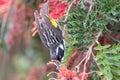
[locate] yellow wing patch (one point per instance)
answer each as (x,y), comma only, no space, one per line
(53,22)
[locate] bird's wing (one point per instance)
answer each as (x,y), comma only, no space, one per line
(41,28)
(54,34)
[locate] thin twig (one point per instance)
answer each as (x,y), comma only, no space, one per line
(56,63)
(52,79)
(114,39)
(78,66)
(85,26)
(98,35)
(52,73)
(89,52)
(87,17)
(92,72)
(67,14)
(87,59)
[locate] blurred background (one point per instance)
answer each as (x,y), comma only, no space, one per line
(24,57)
(20,53)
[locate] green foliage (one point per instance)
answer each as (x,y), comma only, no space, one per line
(108,61)
(67,55)
(83,23)
(94,76)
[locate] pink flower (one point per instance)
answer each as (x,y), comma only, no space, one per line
(59,10)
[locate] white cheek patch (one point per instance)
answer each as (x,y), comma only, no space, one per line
(62,59)
(61,46)
(57,51)
(46,39)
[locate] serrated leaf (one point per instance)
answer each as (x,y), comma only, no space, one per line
(99,56)
(105,47)
(114,63)
(116,71)
(114,58)
(102,47)
(108,60)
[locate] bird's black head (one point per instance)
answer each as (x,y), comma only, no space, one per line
(60,54)
(57,53)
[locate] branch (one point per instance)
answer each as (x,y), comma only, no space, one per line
(66,16)
(89,52)
(90,8)
(67,13)
(52,79)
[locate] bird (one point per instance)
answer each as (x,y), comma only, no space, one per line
(50,32)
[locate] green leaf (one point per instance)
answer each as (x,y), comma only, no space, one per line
(99,47)
(108,60)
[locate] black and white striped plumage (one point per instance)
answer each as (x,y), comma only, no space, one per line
(51,36)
